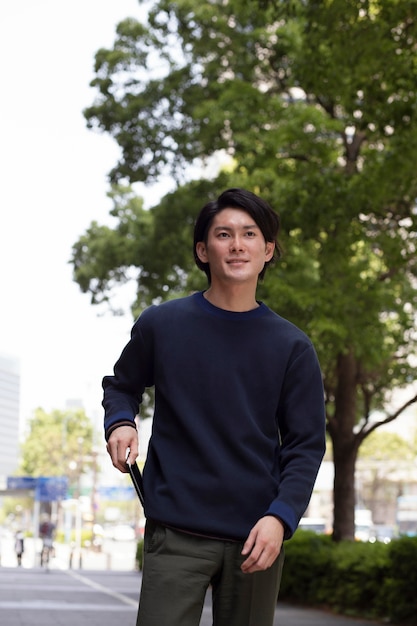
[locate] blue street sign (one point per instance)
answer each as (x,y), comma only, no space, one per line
(21,482)
(117,493)
(51,488)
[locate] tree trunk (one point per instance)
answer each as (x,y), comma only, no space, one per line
(345,448)
(344,491)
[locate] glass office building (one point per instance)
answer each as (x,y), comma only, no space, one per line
(9,414)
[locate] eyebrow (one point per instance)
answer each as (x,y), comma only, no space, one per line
(229,228)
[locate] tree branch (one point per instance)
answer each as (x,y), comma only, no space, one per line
(368,429)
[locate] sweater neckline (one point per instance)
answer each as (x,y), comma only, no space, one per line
(225,314)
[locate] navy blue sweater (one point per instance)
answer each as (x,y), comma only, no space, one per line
(239,427)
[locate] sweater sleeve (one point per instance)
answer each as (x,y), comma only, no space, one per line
(123,391)
(301,422)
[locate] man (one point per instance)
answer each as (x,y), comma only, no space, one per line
(238,430)
(19,546)
(46,533)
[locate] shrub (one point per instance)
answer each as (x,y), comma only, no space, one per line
(139,555)
(307,559)
(353,582)
(400,588)
(362,579)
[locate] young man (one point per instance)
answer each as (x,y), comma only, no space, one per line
(238,430)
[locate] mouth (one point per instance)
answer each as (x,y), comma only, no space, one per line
(236,261)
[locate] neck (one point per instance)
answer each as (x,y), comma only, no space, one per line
(238,299)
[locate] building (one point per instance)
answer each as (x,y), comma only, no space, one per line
(9,414)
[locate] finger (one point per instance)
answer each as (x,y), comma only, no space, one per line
(122,453)
(252,564)
(115,449)
(133,453)
(112,450)
(262,562)
(249,543)
(252,560)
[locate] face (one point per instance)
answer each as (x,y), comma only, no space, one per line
(235,249)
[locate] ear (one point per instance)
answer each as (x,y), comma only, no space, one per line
(201,251)
(269,250)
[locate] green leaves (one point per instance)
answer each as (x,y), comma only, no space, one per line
(54,441)
(103,256)
(314,104)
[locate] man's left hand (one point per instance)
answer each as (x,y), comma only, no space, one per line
(263,544)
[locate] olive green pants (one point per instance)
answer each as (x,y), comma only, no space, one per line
(179,568)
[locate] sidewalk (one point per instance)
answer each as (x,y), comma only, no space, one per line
(104,592)
(35,597)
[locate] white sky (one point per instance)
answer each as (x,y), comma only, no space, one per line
(53,184)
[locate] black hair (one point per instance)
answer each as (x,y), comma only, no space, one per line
(261,212)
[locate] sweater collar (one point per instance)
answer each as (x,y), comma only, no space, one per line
(231,315)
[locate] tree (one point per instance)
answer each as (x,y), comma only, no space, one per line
(314,103)
(57,444)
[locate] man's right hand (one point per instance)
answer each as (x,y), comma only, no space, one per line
(122,440)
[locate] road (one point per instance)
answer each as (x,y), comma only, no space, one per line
(97,596)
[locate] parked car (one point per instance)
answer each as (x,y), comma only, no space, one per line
(122,532)
(315,524)
(383,533)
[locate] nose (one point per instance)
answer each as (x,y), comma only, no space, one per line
(236,243)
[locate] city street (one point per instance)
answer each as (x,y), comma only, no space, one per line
(97,596)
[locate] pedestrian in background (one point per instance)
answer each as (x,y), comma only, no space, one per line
(19,546)
(46,533)
(238,430)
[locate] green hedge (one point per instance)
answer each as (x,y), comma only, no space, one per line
(372,580)
(139,555)
(400,585)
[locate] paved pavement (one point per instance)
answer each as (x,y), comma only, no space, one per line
(96,595)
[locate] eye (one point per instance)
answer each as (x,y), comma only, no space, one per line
(223,235)
(250,233)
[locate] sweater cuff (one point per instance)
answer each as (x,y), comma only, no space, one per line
(286,515)
(117,425)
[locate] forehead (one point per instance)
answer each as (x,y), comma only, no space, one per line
(231,217)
